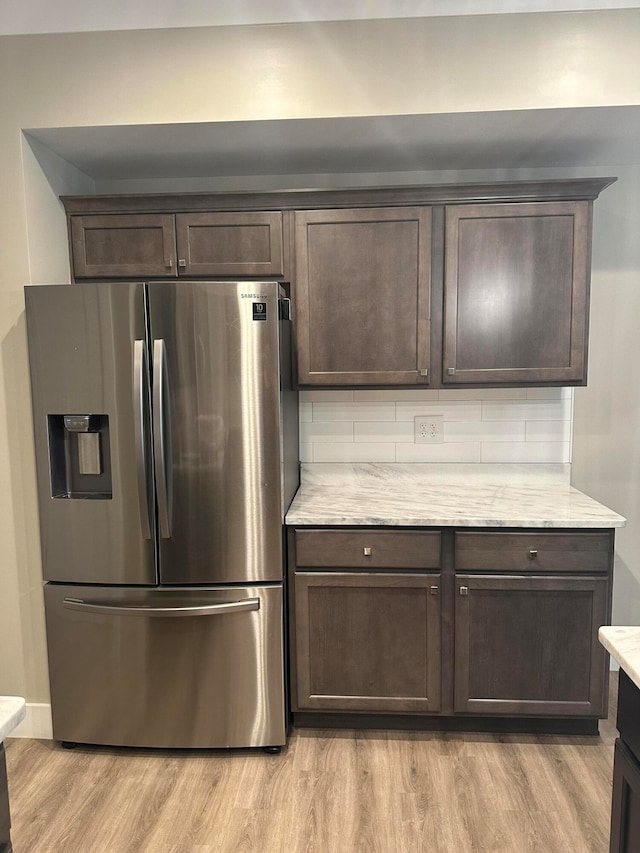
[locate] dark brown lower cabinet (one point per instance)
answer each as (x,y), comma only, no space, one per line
(625,802)
(5,819)
(367,642)
(625,817)
(528,645)
(427,622)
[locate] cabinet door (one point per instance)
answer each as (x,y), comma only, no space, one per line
(516,287)
(5,817)
(362,296)
(367,642)
(230,244)
(625,806)
(123,246)
(529,645)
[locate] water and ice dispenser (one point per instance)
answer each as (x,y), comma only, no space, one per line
(79,456)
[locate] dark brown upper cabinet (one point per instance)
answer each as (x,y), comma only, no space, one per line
(224,244)
(362,293)
(123,246)
(425,286)
(154,245)
(516,293)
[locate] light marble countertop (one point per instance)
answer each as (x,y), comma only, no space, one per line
(13,710)
(389,501)
(623,644)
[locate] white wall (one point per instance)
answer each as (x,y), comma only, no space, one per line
(606,444)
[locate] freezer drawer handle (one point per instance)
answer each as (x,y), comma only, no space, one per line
(162,437)
(197,610)
(141,454)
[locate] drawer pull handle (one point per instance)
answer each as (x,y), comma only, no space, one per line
(366,552)
(533,554)
(464,590)
(434,590)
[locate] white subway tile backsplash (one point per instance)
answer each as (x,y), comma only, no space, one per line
(306,452)
(454,411)
(485,430)
(386,431)
(419,394)
(548,431)
(526,410)
(541,452)
(454,452)
(483,394)
(490,426)
(325,396)
(354,411)
(326,431)
(549,393)
(355,452)
(305,411)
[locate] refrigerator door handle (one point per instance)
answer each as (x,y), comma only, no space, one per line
(129,610)
(162,437)
(141,453)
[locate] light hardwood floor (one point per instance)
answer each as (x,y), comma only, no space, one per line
(328,792)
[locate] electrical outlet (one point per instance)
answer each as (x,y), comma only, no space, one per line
(428,429)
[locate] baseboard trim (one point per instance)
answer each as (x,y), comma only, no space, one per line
(37,723)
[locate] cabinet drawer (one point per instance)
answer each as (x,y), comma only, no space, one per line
(533,552)
(368,549)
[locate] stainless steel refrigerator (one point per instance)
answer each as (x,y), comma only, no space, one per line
(167,454)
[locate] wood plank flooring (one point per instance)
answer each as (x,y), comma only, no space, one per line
(328,792)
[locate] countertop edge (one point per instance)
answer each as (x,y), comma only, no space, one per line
(623,644)
(13,710)
(303,520)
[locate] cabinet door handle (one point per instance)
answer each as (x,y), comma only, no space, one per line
(182,263)
(424,373)
(434,590)
(168,263)
(366,552)
(533,554)
(451,371)
(464,590)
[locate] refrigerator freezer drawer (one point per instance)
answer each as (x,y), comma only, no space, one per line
(197,667)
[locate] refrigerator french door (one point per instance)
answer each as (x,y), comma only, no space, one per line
(166,447)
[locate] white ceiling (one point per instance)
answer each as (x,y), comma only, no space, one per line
(599,136)
(58,16)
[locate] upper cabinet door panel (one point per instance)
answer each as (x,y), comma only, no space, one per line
(516,287)
(230,244)
(123,246)
(362,296)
